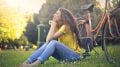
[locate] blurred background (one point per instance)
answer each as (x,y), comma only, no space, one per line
(19,19)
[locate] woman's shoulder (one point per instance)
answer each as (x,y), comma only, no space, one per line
(64,26)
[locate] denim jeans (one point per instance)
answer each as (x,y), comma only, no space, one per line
(55,49)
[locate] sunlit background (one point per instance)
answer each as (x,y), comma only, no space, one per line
(24,27)
(16,15)
(102,3)
(30,6)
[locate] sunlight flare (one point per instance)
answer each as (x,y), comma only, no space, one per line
(27,6)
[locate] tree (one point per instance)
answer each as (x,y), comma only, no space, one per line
(116,3)
(51,6)
(12,24)
(31,29)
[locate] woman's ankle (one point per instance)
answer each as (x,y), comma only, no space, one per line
(27,62)
(37,62)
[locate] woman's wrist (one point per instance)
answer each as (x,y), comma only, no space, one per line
(53,25)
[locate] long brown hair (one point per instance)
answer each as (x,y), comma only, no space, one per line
(67,17)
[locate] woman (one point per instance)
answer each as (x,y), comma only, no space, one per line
(63,27)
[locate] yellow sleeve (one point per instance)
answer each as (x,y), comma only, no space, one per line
(62,29)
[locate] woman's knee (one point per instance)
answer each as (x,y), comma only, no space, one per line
(53,41)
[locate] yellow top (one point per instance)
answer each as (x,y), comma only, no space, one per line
(68,38)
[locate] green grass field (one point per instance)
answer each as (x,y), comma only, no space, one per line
(13,58)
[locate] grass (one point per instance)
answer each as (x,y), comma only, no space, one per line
(13,58)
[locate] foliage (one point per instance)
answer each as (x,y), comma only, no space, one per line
(116,3)
(51,6)
(31,29)
(21,41)
(10,44)
(12,23)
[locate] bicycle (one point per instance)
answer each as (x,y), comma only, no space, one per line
(110,31)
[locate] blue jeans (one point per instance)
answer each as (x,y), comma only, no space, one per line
(55,49)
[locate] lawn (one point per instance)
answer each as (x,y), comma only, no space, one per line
(13,58)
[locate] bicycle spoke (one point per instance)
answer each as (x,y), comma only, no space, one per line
(109,47)
(116,26)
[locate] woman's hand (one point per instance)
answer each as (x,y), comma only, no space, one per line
(52,22)
(51,32)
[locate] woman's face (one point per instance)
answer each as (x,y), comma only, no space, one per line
(57,16)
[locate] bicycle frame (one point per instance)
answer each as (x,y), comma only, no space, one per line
(106,25)
(104,19)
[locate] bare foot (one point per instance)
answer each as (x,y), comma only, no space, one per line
(27,65)
(25,62)
(35,64)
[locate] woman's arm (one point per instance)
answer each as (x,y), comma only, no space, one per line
(52,34)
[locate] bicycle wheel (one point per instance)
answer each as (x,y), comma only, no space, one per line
(111,42)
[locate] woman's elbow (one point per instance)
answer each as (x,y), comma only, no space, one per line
(48,39)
